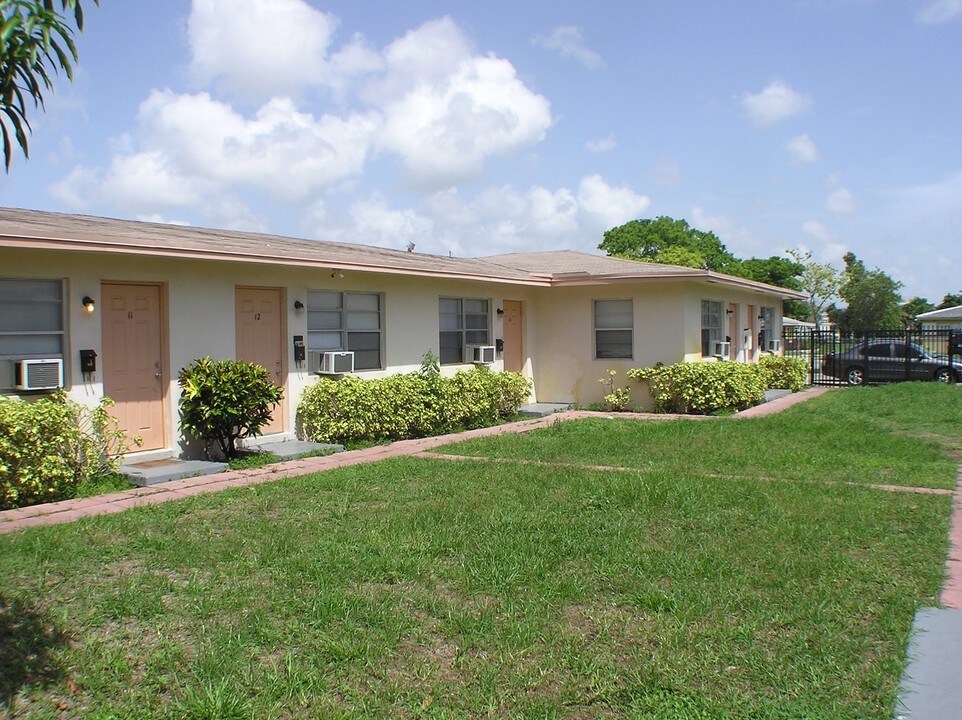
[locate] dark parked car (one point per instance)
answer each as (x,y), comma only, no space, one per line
(888,360)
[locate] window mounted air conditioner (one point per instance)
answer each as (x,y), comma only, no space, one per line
(38,374)
(330,363)
(721,349)
(774,346)
(479,354)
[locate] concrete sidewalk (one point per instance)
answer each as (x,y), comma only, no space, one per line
(931,687)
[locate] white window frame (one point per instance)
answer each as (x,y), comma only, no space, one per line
(344,326)
(710,334)
(16,292)
(465,335)
(608,329)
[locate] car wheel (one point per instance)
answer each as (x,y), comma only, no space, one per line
(855,376)
(943,375)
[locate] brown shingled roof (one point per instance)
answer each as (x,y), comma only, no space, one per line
(29,228)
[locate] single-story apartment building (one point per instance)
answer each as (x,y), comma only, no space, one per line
(117,308)
(944,319)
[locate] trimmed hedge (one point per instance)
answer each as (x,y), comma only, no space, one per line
(783,372)
(50,446)
(703,388)
(408,406)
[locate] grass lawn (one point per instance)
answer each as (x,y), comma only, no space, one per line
(717,576)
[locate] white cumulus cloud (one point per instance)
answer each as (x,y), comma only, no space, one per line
(567,40)
(802,149)
(427,100)
(447,110)
(935,12)
(602,145)
(840,201)
(776,102)
(611,205)
(280,150)
(258,49)
(494,220)
(817,230)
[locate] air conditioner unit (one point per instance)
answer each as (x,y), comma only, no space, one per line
(774,346)
(38,374)
(331,363)
(721,349)
(480,354)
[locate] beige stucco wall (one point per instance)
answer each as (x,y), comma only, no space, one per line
(198,314)
(198,317)
(565,365)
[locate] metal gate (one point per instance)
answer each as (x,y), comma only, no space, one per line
(861,358)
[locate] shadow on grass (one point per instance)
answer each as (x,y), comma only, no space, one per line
(28,640)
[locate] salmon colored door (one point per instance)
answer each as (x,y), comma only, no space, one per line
(132,361)
(513,336)
(260,339)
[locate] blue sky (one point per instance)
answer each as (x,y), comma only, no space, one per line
(477,128)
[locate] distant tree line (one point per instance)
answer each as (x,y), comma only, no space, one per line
(868,299)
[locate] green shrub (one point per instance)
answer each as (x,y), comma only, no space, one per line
(783,372)
(407,406)
(616,399)
(223,401)
(703,388)
(51,446)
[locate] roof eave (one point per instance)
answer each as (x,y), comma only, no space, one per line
(580,279)
(121,248)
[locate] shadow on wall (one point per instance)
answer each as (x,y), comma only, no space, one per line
(29,640)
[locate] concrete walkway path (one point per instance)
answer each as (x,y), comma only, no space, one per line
(931,687)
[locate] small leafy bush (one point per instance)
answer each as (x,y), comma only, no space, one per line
(783,372)
(616,399)
(51,446)
(703,388)
(407,406)
(223,401)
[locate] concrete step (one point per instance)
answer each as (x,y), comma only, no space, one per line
(293,448)
(151,472)
(542,409)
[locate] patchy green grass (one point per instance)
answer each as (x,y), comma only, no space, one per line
(420,588)
(252,460)
(102,484)
(905,434)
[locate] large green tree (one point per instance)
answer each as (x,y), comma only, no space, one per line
(914,307)
(950,300)
(36,42)
(777,271)
(871,297)
(669,241)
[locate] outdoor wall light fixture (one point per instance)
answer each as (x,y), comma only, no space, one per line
(500,311)
(298,305)
(729,311)
(336,274)
(88,303)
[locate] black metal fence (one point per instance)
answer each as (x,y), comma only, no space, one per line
(860,358)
